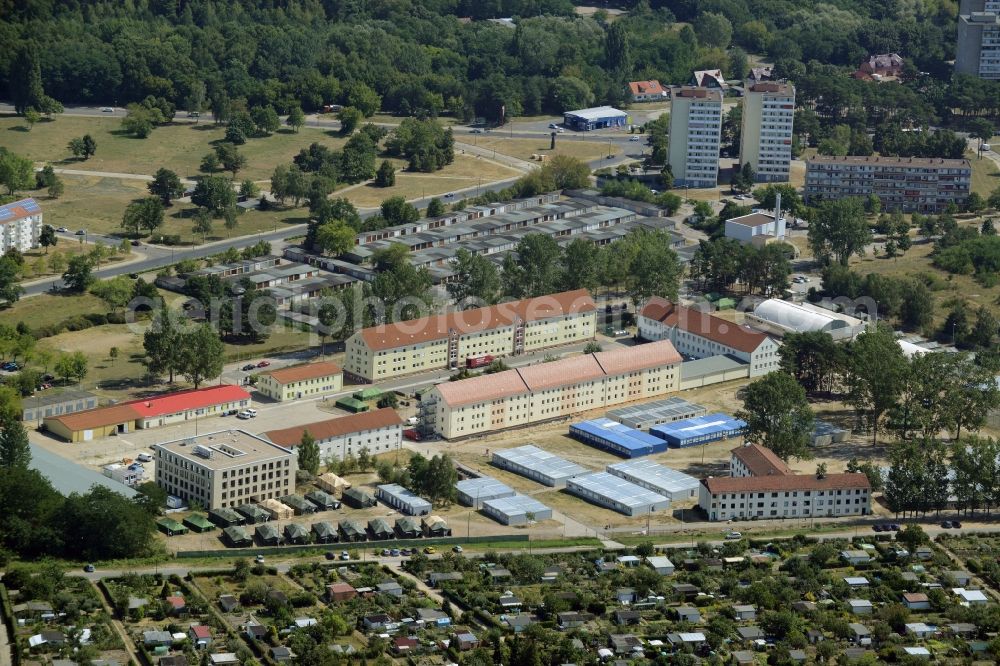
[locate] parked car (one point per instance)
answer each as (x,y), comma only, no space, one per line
(895,527)
(62,230)
(956,524)
(429,550)
(89,568)
(733,535)
(344,555)
(394,552)
(553,126)
(946,524)
(263,364)
(247,414)
(81,232)
(634,139)
(385,552)
(144,457)
(457,549)
(108,109)
(260,558)
(248,367)
(450,195)
(475,130)
(136,243)
(877,528)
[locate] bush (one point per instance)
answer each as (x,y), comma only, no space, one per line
(96,318)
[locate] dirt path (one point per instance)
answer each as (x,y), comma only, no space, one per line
(127,644)
(5,646)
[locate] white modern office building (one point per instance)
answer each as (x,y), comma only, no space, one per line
(766,136)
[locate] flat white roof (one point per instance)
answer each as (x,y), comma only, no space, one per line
(540,462)
(617,489)
(516,505)
(596,113)
(483,487)
(654,474)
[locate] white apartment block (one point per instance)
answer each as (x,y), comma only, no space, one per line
(977,50)
(695,136)
(20,225)
(551,390)
(700,335)
(446,341)
(762,486)
(225,469)
(379,431)
(766,137)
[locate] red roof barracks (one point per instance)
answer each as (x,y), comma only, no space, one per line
(152,412)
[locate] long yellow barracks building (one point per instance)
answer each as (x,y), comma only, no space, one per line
(557,389)
(446,341)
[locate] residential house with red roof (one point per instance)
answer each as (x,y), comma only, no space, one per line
(647,91)
(761,485)
(449,340)
(551,390)
(308,380)
(20,225)
(379,431)
(700,334)
(152,412)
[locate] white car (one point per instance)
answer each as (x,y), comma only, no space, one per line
(107,109)
(450,195)
(144,457)
(553,126)
(247,414)
(733,536)
(634,139)
(62,230)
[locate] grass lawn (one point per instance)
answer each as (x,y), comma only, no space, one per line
(465,171)
(985,176)
(178,147)
(33,269)
(113,377)
(48,309)
(525,148)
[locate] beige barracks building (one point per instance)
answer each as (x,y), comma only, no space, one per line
(308,380)
(551,390)
(448,340)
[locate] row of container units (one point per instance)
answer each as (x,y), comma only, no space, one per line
(171,527)
(473,492)
(538,465)
(670,483)
(615,493)
(401,499)
(617,438)
(516,509)
(699,430)
(348,531)
(658,412)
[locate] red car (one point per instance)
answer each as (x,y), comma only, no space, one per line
(263,364)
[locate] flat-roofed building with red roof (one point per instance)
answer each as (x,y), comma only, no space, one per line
(449,340)
(378,431)
(20,225)
(761,485)
(701,334)
(551,390)
(307,380)
(152,412)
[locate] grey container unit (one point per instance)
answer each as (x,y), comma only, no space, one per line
(538,465)
(617,494)
(473,492)
(660,479)
(401,499)
(658,412)
(516,510)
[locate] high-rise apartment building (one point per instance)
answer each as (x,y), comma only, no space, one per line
(977,51)
(695,135)
(20,225)
(766,136)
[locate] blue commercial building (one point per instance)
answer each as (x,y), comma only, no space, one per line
(596,118)
(699,430)
(617,438)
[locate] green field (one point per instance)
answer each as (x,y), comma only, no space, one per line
(179,147)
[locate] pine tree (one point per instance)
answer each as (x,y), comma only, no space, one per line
(14,450)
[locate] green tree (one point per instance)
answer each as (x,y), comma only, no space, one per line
(10,289)
(56,188)
(201,355)
(71,366)
(230,157)
(79,273)
(296,119)
(655,269)
(778,415)
(476,277)
(31,117)
(349,118)
(265,120)
(435,208)
(386,175)
(875,373)
(166,185)
(89,146)
(617,50)
(713,30)
(145,214)
(249,189)
(580,266)
(396,210)
(534,269)
(16,172)
(162,343)
(14,449)
(116,292)
(25,81)
(47,238)
(214,193)
(364,99)
(812,358)
(425,144)
(308,453)
(139,121)
(202,223)
(335,238)
(839,230)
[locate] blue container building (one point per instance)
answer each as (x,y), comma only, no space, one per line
(699,430)
(617,438)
